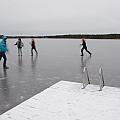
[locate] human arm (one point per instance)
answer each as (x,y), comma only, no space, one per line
(15,43)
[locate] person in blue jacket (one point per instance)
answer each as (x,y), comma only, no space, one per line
(3,50)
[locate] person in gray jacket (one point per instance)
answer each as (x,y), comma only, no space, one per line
(19,44)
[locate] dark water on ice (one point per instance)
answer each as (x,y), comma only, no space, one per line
(57,60)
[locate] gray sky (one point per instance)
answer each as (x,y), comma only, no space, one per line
(41,17)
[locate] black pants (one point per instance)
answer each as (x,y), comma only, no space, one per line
(2,54)
(86,50)
(33,48)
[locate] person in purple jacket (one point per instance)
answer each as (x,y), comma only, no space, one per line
(33,47)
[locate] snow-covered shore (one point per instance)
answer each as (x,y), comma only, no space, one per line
(67,101)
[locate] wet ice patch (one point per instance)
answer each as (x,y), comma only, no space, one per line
(21,97)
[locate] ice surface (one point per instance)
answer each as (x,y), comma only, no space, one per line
(58,59)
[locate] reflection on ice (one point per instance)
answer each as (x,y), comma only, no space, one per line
(20,61)
(33,61)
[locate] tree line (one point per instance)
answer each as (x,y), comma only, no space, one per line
(73,36)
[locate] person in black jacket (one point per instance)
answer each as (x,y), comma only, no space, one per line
(84,47)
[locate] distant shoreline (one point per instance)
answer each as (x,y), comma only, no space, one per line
(72,36)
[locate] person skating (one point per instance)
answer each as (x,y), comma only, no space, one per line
(19,44)
(84,47)
(33,47)
(3,50)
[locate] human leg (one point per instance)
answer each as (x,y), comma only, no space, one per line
(5,60)
(21,51)
(18,51)
(0,56)
(88,51)
(82,51)
(31,51)
(36,51)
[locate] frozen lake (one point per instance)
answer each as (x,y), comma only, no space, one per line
(58,59)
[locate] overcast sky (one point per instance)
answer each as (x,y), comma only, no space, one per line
(41,17)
